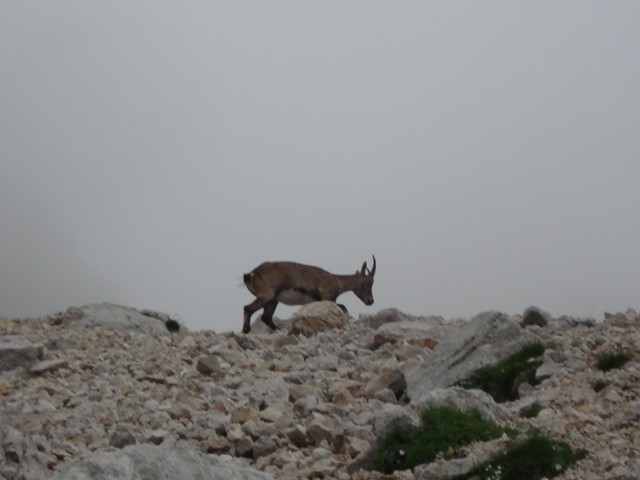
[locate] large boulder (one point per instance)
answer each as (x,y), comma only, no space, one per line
(419,327)
(386,419)
(394,319)
(116,317)
(466,401)
(485,340)
(387,315)
(317,317)
(394,416)
(395,327)
(151,462)
(391,379)
(19,459)
(16,351)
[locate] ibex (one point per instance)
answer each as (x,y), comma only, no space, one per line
(296,284)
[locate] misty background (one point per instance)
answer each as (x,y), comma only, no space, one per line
(488,153)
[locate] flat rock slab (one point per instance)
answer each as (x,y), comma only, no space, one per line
(486,339)
(47,366)
(16,351)
(114,316)
(150,462)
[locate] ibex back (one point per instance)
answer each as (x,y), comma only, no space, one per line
(296,284)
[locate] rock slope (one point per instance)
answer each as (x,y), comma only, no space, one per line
(106,392)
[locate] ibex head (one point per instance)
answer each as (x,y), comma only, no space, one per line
(364,289)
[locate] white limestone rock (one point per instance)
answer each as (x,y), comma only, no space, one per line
(115,316)
(466,401)
(488,338)
(150,462)
(16,351)
(318,317)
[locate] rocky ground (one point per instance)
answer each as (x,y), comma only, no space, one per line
(106,392)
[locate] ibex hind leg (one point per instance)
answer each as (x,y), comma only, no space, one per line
(246,325)
(248,311)
(343,308)
(267,315)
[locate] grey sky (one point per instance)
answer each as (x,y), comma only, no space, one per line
(488,153)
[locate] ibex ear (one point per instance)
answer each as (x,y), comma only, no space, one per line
(364,268)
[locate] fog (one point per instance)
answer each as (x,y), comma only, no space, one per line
(487,153)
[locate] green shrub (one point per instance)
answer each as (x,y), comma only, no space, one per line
(442,429)
(530,459)
(599,385)
(612,359)
(501,380)
(531,411)
(172,325)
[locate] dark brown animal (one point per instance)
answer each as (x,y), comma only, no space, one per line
(297,284)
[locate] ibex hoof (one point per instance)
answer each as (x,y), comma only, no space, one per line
(343,308)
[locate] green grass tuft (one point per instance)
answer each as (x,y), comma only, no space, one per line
(172,325)
(613,359)
(531,411)
(442,429)
(501,380)
(530,459)
(599,385)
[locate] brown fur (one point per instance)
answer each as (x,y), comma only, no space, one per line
(297,284)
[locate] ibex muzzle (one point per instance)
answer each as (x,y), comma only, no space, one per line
(296,284)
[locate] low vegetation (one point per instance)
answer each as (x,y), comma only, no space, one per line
(502,380)
(533,458)
(612,359)
(446,430)
(599,385)
(442,429)
(531,411)
(171,324)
